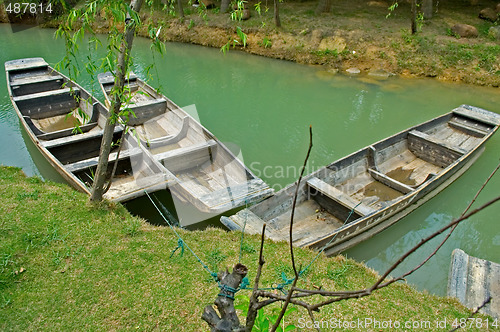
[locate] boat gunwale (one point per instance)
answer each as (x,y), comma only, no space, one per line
(68,176)
(395,202)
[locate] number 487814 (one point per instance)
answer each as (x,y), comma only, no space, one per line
(28,8)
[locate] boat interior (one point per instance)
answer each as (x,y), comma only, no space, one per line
(50,106)
(69,122)
(371,179)
(203,168)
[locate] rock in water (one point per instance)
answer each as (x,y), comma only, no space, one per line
(379,74)
(465,30)
(353,71)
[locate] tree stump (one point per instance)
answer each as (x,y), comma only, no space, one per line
(226,320)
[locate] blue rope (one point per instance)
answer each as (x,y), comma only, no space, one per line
(180,240)
(226,291)
(230,291)
(180,244)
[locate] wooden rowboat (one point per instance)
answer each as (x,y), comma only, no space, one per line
(206,173)
(360,195)
(66,124)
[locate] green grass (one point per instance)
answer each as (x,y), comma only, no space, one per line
(66,265)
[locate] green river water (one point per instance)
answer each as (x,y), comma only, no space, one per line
(265,107)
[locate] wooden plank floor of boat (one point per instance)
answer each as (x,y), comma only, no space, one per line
(310,221)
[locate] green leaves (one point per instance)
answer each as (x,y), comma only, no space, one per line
(232,42)
(242,36)
(265,320)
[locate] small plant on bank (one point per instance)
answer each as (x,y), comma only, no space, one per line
(266,42)
(265,320)
(450,33)
(233,42)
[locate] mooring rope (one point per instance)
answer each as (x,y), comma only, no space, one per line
(181,244)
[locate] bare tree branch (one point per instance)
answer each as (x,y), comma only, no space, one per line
(295,201)
(379,284)
(253,303)
(290,293)
(453,228)
(427,239)
(486,302)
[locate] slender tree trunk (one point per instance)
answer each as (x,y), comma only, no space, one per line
(277,21)
(226,319)
(180,8)
(224,6)
(427,8)
(413,17)
(98,188)
(324,6)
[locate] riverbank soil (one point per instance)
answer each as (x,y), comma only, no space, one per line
(351,34)
(354,33)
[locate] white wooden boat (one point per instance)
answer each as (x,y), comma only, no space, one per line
(358,196)
(206,173)
(66,125)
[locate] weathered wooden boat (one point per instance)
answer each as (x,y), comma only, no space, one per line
(66,125)
(360,195)
(206,173)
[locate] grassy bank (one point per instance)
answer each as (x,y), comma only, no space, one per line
(65,265)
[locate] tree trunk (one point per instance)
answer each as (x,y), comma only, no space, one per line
(277,21)
(228,320)
(427,8)
(324,6)
(224,6)
(180,8)
(413,17)
(98,188)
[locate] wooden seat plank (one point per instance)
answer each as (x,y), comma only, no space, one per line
(338,196)
(75,138)
(22,64)
(46,94)
(436,141)
(91,162)
(35,80)
(478,114)
(187,157)
(470,130)
(390,182)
